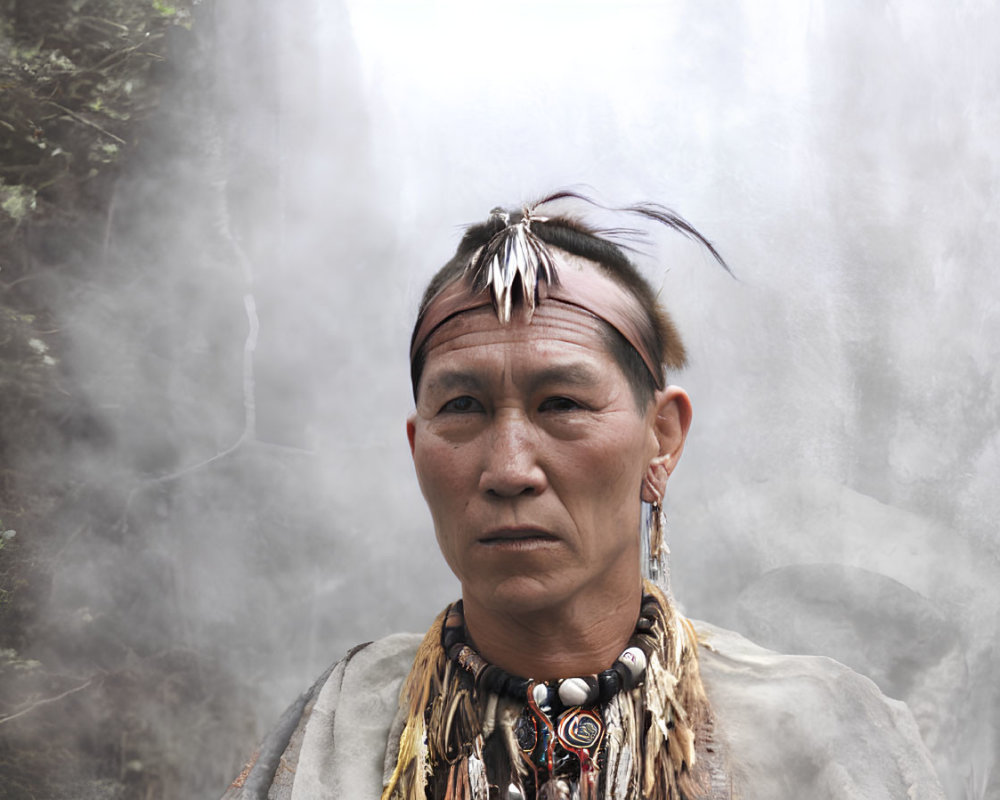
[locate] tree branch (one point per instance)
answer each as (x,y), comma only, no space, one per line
(86,121)
(45,701)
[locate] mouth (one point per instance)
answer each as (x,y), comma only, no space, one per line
(516,537)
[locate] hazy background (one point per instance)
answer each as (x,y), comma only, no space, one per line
(838,494)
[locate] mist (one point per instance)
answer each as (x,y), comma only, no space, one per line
(239,358)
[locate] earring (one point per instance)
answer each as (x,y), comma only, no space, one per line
(653,545)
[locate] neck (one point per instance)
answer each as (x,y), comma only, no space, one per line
(579,637)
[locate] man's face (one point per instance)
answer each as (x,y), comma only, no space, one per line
(530,452)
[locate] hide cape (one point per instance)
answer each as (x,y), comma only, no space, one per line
(657,742)
(791,727)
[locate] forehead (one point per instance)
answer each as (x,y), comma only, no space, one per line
(557,332)
(458,309)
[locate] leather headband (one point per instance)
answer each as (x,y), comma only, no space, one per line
(577,285)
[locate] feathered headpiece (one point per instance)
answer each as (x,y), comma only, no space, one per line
(517,257)
(513,253)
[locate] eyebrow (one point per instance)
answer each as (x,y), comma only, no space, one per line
(574,373)
(452,380)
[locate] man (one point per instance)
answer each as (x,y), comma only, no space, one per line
(543,423)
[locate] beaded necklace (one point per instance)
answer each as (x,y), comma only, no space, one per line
(475,732)
(625,674)
(559,733)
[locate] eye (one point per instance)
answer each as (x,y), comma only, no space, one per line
(461,405)
(559,404)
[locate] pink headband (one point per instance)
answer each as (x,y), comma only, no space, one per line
(586,289)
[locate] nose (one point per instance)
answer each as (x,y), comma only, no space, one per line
(511,466)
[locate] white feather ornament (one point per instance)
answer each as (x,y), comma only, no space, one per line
(514,252)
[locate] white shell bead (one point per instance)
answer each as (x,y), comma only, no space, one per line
(635,660)
(574,692)
(540,693)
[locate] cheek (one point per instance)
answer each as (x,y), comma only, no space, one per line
(610,477)
(443,471)
(616,459)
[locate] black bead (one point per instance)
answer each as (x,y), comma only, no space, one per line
(501,682)
(486,677)
(644,624)
(518,688)
(608,684)
(452,636)
(625,676)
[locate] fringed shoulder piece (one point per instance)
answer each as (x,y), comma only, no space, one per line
(422,685)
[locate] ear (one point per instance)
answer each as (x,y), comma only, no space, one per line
(411,429)
(672,409)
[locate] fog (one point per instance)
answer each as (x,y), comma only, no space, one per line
(246,359)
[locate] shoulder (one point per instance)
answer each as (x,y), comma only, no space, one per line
(356,698)
(808,726)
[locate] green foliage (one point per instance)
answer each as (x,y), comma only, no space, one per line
(11,661)
(78,80)
(178,14)
(74,80)
(17,202)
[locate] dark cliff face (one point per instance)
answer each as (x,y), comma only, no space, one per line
(96,679)
(166,539)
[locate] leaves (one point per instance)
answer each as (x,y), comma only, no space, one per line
(76,79)
(17,202)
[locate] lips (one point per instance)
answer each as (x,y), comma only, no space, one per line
(515,536)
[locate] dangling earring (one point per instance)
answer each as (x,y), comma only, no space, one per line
(654,547)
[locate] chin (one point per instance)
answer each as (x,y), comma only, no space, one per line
(521,594)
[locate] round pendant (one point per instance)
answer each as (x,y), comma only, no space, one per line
(526,732)
(580,728)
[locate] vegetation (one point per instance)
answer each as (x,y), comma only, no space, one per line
(87,709)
